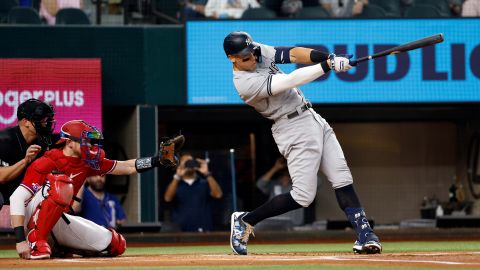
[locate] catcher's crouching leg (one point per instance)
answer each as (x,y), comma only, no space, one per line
(47,214)
(80,236)
(118,245)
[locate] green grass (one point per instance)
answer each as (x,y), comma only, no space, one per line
(393,247)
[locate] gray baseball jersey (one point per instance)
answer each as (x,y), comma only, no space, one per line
(306,140)
(254,88)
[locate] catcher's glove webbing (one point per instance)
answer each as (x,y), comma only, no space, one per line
(166,155)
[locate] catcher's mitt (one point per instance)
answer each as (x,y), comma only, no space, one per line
(168,150)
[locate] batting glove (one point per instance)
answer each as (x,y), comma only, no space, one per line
(340,63)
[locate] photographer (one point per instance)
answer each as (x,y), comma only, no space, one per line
(192,191)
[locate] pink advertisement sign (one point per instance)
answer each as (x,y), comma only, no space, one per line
(72,86)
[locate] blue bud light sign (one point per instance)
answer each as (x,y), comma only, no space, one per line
(448,72)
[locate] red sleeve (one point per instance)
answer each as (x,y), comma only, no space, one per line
(107,165)
(36,174)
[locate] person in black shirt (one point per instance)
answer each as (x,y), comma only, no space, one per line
(21,144)
(191,191)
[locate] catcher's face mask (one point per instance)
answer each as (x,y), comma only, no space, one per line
(91,143)
(41,114)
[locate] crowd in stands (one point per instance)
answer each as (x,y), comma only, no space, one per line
(268,9)
(81,11)
(49,12)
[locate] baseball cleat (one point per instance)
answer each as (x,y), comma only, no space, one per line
(40,250)
(239,233)
(371,246)
(357,247)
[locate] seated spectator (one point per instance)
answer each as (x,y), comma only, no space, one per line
(99,206)
(228,9)
(277,181)
(471,8)
(455,7)
(192,191)
(290,8)
(194,9)
(49,8)
(343,8)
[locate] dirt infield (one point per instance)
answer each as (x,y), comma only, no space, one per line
(416,259)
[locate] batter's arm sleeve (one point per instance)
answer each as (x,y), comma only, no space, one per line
(282,82)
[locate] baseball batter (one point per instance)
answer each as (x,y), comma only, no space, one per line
(40,204)
(303,137)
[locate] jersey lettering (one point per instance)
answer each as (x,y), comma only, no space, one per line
(273,68)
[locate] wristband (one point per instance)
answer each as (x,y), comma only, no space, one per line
(177,177)
(145,164)
(19,234)
(318,56)
(326,68)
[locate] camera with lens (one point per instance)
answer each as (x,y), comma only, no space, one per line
(192,163)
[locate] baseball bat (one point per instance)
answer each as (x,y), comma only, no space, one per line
(420,43)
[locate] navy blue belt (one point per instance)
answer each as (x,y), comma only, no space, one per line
(299,110)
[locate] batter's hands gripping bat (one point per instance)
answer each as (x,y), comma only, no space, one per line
(402,48)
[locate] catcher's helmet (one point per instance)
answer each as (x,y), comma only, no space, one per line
(89,137)
(41,114)
(238,43)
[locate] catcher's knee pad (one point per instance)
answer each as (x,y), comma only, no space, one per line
(118,245)
(50,210)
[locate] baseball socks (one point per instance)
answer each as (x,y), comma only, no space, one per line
(350,204)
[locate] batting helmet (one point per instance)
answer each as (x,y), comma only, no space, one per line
(238,43)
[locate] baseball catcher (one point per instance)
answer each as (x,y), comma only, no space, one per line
(39,206)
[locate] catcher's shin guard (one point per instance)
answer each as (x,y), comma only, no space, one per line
(49,211)
(118,245)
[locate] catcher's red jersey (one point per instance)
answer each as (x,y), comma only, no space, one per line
(55,161)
